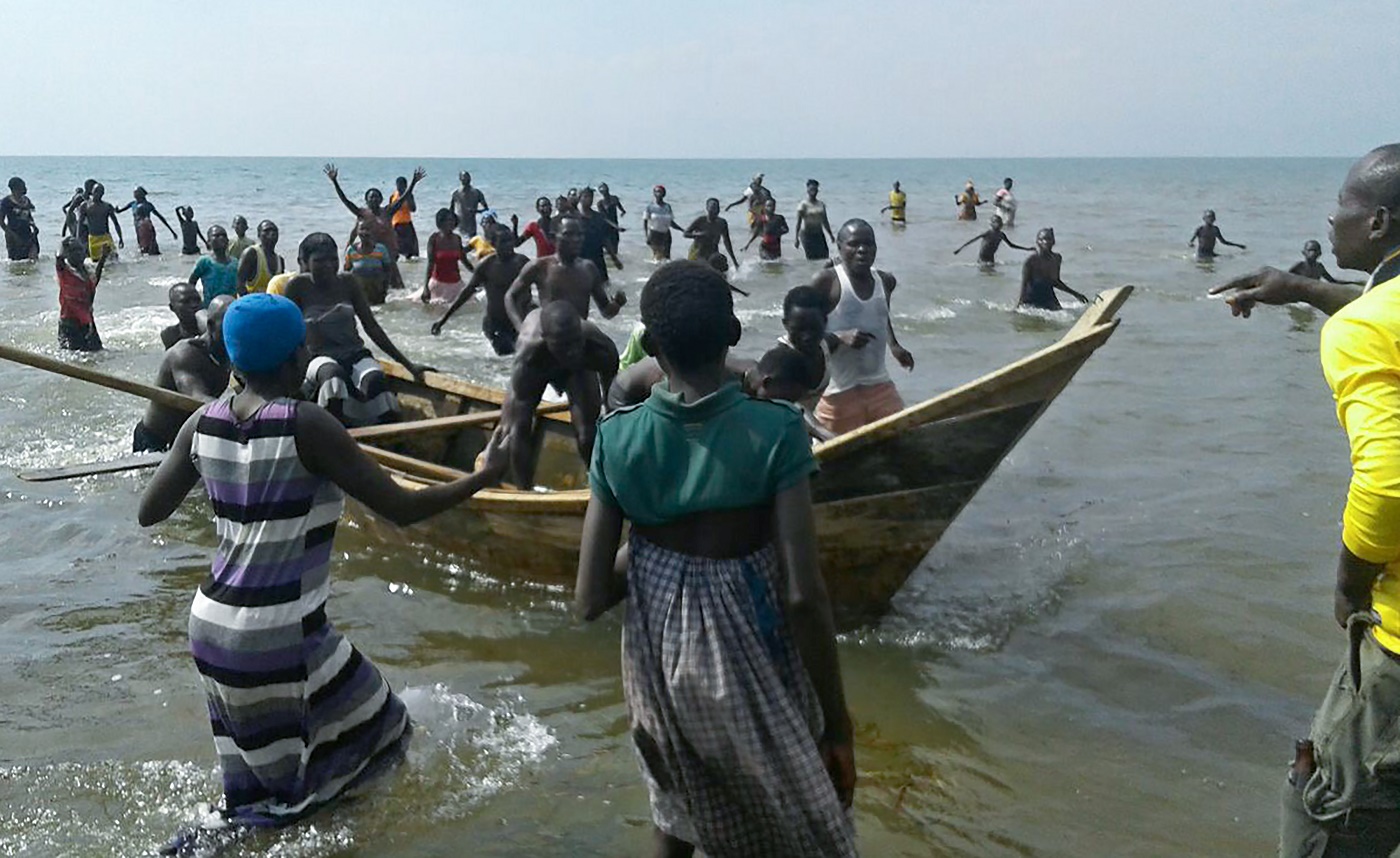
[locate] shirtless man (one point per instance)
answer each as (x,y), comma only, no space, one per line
(1206,235)
(1005,203)
(556,346)
(96,214)
(707,231)
(495,274)
(196,367)
(1040,275)
(991,240)
(1311,268)
(562,277)
(259,263)
(466,202)
(17,221)
(185,302)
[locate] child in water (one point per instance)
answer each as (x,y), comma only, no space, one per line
(76,289)
(729,656)
(189,231)
(1311,268)
(992,240)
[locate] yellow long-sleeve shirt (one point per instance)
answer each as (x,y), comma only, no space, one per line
(1361,360)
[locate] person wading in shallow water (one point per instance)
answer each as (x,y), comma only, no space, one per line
(729,664)
(142,210)
(1341,797)
(185,303)
(276,471)
(1040,275)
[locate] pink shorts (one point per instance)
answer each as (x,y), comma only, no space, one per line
(851,409)
(446,293)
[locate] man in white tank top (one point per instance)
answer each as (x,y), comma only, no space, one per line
(858,331)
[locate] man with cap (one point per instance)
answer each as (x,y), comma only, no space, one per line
(198,367)
(1342,796)
(657,222)
(276,471)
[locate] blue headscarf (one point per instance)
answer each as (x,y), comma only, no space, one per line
(262,331)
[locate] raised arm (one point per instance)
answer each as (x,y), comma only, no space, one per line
(101,265)
(334,175)
(407,195)
(328,451)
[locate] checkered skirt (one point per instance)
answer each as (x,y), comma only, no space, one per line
(724,718)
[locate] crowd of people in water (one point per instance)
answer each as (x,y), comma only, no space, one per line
(279,356)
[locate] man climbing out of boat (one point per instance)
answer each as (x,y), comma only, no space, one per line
(343,377)
(1342,795)
(858,317)
(300,717)
(729,662)
(558,347)
(495,274)
(185,303)
(564,276)
(196,367)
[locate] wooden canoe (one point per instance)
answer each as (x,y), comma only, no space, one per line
(884,496)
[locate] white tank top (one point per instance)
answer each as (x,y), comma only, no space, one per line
(864,366)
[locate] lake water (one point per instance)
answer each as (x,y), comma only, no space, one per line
(1109,653)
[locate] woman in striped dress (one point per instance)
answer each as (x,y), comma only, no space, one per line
(299,715)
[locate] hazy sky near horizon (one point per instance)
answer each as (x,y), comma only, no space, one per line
(724,78)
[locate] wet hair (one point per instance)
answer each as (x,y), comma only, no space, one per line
(1379,177)
(182,286)
(813,183)
(443,216)
(15,182)
(688,311)
(373,191)
(851,226)
(96,186)
(806,297)
(401,181)
(545,200)
(1312,242)
(88,185)
(265,222)
(718,262)
(314,242)
(714,200)
(139,190)
(785,364)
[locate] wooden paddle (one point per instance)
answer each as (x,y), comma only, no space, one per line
(181,402)
(138,462)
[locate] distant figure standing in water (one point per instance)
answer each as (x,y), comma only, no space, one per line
(1040,275)
(813,227)
(707,232)
(898,201)
(730,671)
(858,319)
(142,210)
(1311,268)
(466,202)
(96,215)
(77,329)
(611,208)
(17,220)
(1206,235)
(240,241)
(991,240)
(402,218)
(770,227)
(1005,203)
(967,202)
(756,196)
(300,717)
(657,221)
(189,231)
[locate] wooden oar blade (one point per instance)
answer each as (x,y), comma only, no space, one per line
(139,462)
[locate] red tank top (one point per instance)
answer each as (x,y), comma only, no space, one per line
(75,296)
(445,268)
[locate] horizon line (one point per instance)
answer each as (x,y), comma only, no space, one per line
(702,158)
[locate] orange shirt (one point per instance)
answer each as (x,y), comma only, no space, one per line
(403,215)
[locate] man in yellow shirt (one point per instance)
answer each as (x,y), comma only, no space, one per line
(896,206)
(1343,791)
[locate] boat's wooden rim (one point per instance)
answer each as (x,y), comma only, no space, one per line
(1091,330)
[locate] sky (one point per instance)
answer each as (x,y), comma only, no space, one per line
(714,79)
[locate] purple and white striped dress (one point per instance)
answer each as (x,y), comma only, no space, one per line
(299,715)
